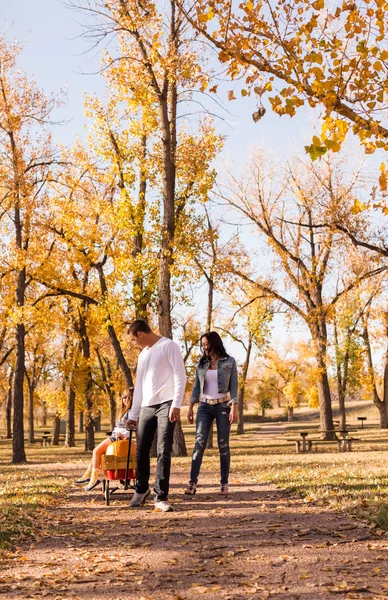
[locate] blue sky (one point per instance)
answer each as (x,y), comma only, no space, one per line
(57,56)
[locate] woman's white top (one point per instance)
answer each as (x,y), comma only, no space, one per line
(210,388)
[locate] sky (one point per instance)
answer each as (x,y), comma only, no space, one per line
(58,57)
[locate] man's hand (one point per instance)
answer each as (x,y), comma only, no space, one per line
(130,425)
(175,414)
(233,415)
(190,414)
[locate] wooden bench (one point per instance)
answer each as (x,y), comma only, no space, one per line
(302,446)
(345,445)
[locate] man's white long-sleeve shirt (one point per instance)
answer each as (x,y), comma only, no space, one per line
(160,376)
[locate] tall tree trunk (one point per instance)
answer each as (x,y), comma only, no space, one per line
(70,420)
(8,408)
(381,403)
(97,422)
(341,375)
(139,295)
(81,422)
(126,371)
(44,414)
(112,396)
(324,395)
(19,455)
(89,422)
(109,389)
(290,414)
(243,380)
(31,430)
(56,430)
(210,296)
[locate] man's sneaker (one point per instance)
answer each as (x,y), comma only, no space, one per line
(139,499)
(163,506)
(89,487)
(82,481)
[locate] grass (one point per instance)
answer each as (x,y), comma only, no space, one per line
(355,482)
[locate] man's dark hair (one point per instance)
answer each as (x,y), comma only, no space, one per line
(139,325)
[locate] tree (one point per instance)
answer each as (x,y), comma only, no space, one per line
(249,326)
(26,166)
(377,309)
(330,55)
(349,356)
(305,255)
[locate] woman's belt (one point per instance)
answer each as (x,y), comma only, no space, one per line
(215,400)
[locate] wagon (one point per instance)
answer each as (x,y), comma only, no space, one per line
(118,464)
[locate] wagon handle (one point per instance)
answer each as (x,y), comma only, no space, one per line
(128,457)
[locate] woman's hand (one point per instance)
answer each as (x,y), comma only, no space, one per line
(233,415)
(190,414)
(119,436)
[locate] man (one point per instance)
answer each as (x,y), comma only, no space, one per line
(157,399)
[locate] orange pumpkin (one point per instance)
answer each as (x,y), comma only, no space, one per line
(115,460)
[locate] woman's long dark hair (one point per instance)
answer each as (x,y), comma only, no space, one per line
(216,346)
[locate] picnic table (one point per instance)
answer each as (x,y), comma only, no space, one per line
(46,438)
(302,445)
(344,442)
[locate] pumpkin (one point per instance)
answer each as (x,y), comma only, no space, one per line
(115,460)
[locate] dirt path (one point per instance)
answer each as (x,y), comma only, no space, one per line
(258,543)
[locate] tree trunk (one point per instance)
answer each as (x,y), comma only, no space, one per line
(31,431)
(19,455)
(243,380)
(89,422)
(382,404)
(56,430)
(139,295)
(290,414)
(179,444)
(341,377)
(70,420)
(126,371)
(97,422)
(8,407)
(319,335)
(106,376)
(210,295)
(44,414)
(81,422)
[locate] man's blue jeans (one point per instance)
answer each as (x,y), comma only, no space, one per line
(152,417)
(205,416)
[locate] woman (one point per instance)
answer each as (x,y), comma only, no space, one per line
(215,378)
(92,473)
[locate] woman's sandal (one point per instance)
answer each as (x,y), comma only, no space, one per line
(191,489)
(224,490)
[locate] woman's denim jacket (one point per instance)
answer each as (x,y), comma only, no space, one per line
(226,376)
